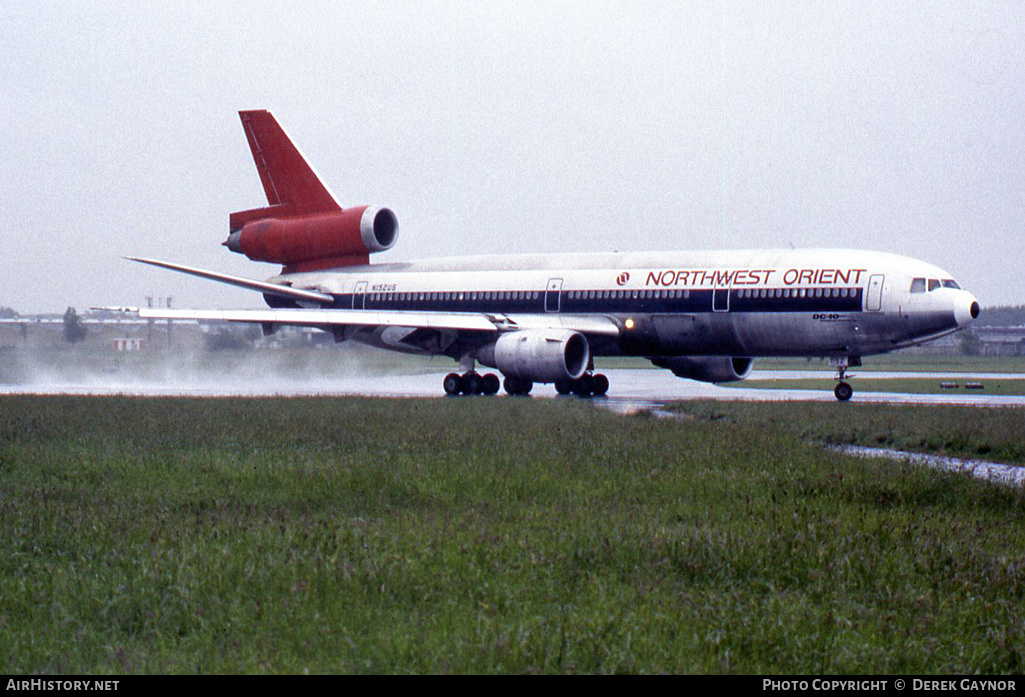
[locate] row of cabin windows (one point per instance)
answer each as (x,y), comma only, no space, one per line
(619,294)
(464,295)
(622,294)
(531,295)
(798,293)
(918,285)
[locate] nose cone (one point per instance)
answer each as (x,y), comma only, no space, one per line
(966,309)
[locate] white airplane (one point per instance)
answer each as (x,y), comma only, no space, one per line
(704,315)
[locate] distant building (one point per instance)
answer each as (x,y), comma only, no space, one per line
(1002,341)
(129,344)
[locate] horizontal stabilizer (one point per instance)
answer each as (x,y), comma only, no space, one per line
(261,286)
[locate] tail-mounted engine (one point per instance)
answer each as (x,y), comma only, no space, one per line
(313,242)
(303,225)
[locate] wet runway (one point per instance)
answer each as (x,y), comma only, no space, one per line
(631,389)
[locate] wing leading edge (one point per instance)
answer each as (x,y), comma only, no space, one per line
(458,321)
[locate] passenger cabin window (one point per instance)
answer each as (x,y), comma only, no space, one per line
(918,285)
(933,284)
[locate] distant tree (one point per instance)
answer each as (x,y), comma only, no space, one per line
(1002,316)
(232,339)
(971,344)
(8,313)
(74,330)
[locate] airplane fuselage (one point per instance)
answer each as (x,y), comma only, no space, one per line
(704,315)
(832,302)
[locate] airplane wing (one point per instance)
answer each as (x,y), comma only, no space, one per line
(464,321)
(592,325)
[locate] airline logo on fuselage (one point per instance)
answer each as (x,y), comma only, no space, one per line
(724,278)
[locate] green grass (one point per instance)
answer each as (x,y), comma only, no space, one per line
(996,434)
(910,385)
(900,361)
(910,362)
(487,535)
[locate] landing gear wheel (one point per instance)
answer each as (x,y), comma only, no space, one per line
(453,384)
(491,384)
(472,384)
(583,386)
(599,385)
(843,391)
(563,386)
(518,386)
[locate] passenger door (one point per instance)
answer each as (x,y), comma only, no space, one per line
(874,298)
(359,296)
(553,295)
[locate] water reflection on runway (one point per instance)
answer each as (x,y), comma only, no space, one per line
(631,389)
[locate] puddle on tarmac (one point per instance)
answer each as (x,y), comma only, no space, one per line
(992,471)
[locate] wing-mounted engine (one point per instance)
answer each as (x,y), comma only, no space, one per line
(541,355)
(707,368)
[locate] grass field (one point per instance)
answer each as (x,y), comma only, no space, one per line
(903,385)
(997,434)
(910,362)
(497,535)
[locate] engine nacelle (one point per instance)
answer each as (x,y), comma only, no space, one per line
(540,355)
(707,368)
(317,241)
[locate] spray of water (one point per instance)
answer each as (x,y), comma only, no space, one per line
(322,370)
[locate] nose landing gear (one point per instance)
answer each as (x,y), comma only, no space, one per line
(843,390)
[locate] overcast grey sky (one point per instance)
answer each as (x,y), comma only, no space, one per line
(510,127)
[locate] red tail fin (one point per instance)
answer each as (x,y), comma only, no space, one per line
(303,228)
(291,185)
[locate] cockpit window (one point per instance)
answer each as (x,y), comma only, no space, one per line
(918,285)
(933,284)
(950,283)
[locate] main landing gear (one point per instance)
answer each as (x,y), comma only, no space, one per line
(471,382)
(587,385)
(518,387)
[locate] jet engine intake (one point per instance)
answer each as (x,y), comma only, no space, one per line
(541,355)
(707,368)
(320,240)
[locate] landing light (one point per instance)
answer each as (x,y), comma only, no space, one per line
(629,324)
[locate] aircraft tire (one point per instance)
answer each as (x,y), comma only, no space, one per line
(583,386)
(599,385)
(518,387)
(843,391)
(491,384)
(472,384)
(563,386)
(453,384)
